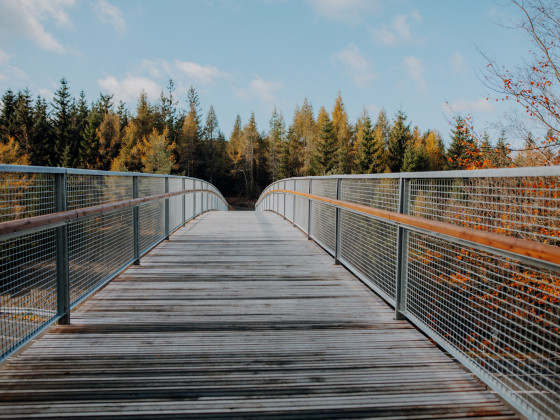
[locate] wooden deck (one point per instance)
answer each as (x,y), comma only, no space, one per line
(238,316)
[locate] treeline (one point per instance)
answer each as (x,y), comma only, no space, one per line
(161,137)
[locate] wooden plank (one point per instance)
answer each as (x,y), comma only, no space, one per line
(239,316)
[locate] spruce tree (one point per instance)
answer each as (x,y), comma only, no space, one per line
(367,145)
(325,157)
(62,124)
(460,153)
(41,136)
(276,138)
(7,115)
(399,139)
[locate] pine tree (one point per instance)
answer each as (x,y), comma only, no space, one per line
(41,135)
(109,135)
(416,158)
(250,141)
(399,139)
(461,153)
(303,129)
(501,154)
(157,153)
(436,151)
(344,137)
(7,115)
(23,121)
(62,124)
(276,138)
(325,157)
(210,147)
(367,146)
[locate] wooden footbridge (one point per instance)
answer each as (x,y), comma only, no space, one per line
(127,295)
(238,315)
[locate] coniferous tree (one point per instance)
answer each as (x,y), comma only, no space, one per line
(303,129)
(461,153)
(23,121)
(399,139)
(325,158)
(250,143)
(291,157)
(368,149)
(344,137)
(41,135)
(435,149)
(276,138)
(62,125)
(7,115)
(500,157)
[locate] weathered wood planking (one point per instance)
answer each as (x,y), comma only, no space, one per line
(238,316)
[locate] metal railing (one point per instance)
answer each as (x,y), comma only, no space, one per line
(64,233)
(472,258)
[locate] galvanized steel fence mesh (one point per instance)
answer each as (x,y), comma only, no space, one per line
(496,311)
(92,250)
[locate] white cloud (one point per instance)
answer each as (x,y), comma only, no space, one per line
(346,11)
(458,63)
(8,72)
(462,105)
(260,89)
(414,69)
(4,57)
(110,14)
(398,31)
(204,74)
(128,88)
(26,18)
(157,68)
(46,94)
(356,65)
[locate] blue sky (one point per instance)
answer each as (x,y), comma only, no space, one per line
(249,56)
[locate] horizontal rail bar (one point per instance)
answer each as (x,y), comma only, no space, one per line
(537,251)
(35,222)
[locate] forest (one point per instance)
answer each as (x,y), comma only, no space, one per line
(163,137)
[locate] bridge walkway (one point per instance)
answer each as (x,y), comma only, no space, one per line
(238,316)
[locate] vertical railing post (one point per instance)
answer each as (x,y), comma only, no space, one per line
(402,253)
(285,195)
(194,199)
(62,269)
(167,210)
(294,203)
(136,220)
(337,224)
(309,213)
(183,198)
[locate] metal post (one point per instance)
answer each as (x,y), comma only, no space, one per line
(309,213)
(294,204)
(284,213)
(338,224)
(184,206)
(402,253)
(62,269)
(166,210)
(136,221)
(194,199)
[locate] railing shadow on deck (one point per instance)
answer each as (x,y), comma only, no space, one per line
(65,233)
(471,258)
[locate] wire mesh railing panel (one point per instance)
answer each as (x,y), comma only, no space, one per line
(150,186)
(152,224)
(28,286)
(92,190)
(501,315)
(324,187)
(323,225)
(25,195)
(369,246)
(189,200)
(281,203)
(380,193)
(98,247)
(522,207)
(290,207)
(302,213)
(175,204)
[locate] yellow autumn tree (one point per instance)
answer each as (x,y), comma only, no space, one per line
(156,153)
(12,154)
